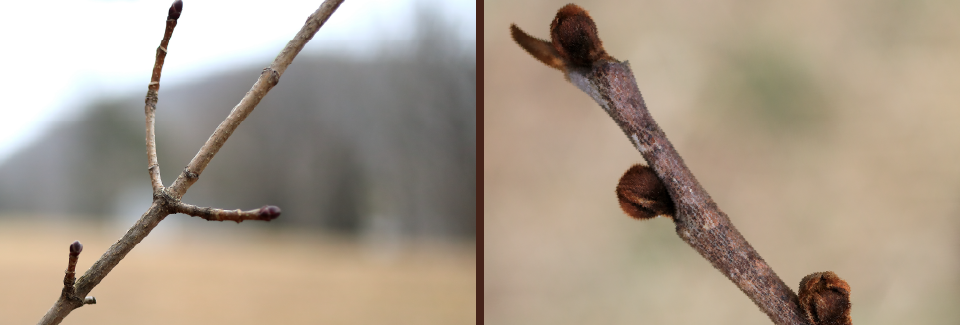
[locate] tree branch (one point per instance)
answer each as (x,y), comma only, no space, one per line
(166,201)
(576,50)
(268,79)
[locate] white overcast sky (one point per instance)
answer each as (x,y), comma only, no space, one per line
(59,54)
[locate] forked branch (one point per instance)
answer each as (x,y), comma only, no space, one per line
(268,79)
(667,187)
(166,201)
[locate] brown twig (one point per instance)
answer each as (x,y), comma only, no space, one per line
(575,49)
(265,213)
(153,88)
(166,201)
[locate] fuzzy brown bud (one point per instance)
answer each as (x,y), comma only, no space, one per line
(574,36)
(825,299)
(642,194)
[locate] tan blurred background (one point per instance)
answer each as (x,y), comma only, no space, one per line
(224,273)
(828,131)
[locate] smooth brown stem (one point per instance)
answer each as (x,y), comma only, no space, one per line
(268,79)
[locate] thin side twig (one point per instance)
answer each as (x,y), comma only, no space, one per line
(69,299)
(575,49)
(268,79)
(265,213)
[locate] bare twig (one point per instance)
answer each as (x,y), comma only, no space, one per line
(166,201)
(69,276)
(151,101)
(575,49)
(268,79)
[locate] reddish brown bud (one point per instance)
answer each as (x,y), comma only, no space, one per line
(642,194)
(175,9)
(76,248)
(574,36)
(269,212)
(825,299)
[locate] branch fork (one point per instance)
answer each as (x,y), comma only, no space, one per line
(167,200)
(666,187)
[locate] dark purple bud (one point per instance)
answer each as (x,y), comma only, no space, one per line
(269,212)
(175,9)
(76,248)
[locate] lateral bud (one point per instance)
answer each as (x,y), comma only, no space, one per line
(825,299)
(642,194)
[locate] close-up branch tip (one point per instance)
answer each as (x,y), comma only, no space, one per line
(666,186)
(574,41)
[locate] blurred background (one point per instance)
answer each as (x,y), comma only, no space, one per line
(828,131)
(368,144)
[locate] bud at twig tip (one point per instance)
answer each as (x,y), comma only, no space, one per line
(175,9)
(76,248)
(269,212)
(574,36)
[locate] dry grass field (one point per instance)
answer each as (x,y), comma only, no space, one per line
(212,273)
(829,132)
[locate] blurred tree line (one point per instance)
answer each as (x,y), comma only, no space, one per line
(386,142)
